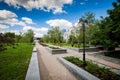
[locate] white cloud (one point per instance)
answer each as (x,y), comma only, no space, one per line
(10,18)
(5,14)
(3,26)
(27,20)
(39,32)
(17,32)
(62,23)
(46,5)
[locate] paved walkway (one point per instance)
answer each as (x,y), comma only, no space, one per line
(96,59)
(50,67)
(54,70)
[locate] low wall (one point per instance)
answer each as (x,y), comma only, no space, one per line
(33,69)
(92,49)
(78,72)
(56,51)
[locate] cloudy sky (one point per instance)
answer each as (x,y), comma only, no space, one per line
(20,15)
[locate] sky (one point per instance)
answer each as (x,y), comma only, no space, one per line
(39,15)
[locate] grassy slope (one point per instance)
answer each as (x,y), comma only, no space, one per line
(14,62)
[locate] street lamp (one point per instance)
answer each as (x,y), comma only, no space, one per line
(83,22)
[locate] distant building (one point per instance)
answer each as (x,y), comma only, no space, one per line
(72,30)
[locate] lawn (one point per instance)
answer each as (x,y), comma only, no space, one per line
(14,62)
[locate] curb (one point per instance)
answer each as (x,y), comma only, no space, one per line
(78,72)
(56,51)
(33,69)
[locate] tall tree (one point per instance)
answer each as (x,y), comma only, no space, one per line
(54,35)
(110,27)
(90,17)
(28,36)
(90,26)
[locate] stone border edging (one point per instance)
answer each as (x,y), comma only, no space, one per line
(33,69)
(91,49)
(55,51)
(78,72)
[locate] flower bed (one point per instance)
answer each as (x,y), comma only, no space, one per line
(100,72)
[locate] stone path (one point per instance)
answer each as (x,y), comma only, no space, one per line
(52,69)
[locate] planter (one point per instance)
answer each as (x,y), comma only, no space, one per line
(43,44)
(91,49)
(56,51)
(78,72)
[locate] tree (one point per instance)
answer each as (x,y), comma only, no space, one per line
(46,38)
(110,27)
(92,33)
(90,27)
(90,17)
(18,37)
(9,38)
(55,35)
(6,39)
(28,36)
(72,39)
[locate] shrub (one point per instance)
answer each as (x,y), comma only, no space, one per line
(100,72)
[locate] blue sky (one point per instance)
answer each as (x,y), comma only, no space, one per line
(39,15)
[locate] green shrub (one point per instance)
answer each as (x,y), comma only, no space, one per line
(100,72)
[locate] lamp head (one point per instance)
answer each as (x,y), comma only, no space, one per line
(80,20)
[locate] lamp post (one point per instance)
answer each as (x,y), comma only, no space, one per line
(83,22)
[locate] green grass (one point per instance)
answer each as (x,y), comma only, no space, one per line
(100,72)
(14,62)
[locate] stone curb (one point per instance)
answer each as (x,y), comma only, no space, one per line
(78,72)
(33,69)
